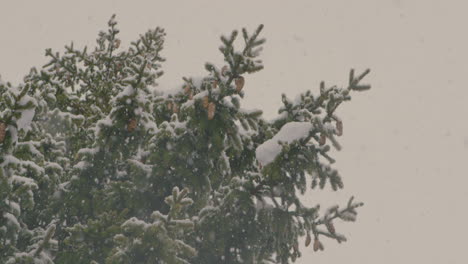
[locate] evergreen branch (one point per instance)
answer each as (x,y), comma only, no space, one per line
(49,233)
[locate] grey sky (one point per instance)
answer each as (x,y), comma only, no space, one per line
(405,142)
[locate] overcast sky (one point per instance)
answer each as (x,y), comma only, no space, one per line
(405,142)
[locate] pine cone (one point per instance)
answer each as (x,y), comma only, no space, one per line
(211,110)
(2,131)
(175,108)
(323,139)
(214,83)
(339,128)
(239,83)
(295,247)
(187,89)
(117,43)
(330,227)
(308,240)
(317,245)
(205,102)
(132,124)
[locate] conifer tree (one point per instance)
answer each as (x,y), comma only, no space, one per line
(100,165)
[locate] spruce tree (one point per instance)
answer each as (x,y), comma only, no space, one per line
(100,165)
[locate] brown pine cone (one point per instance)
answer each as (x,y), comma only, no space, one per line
(317,245)
(2,131)
(323,139)
(339,128)
(308,240)
(132,124)
(211,110)
(175,108)
(239,83)
(330,227)
(187,89)
(117,43)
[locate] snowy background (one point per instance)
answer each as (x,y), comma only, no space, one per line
(405,143)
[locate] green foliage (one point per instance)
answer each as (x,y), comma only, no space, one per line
(92,157)
(159,240)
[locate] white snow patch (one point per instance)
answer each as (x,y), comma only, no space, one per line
(12,219)
(24,181)
(269,150)
(27,116)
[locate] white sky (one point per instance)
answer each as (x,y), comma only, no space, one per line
(405,143)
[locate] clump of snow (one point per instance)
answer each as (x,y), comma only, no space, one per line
(144,167)
(88,150)
(27,116)
(269,150)
(249,111)
(264,203)
(329,127)
(24,181)
(137,223)
(200,95)
(11,219)
(81,165)
(15,207)
(106,122)
(32,147)
(127,91)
